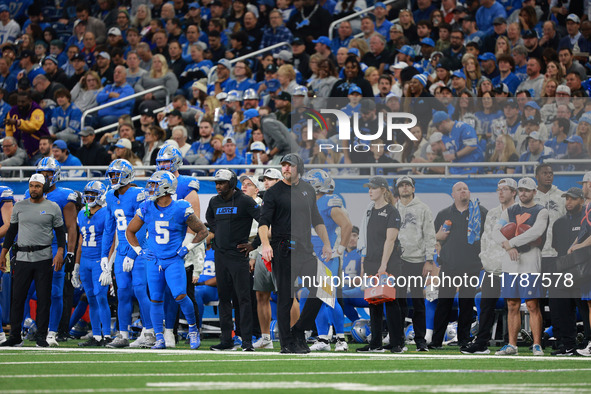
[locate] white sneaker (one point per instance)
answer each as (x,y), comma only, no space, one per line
(341,346)
(585,352)
(2,337)
(263,343)
(52,341)
(140,341)
(507,350)
(169,339)
(537,350)
(320,346)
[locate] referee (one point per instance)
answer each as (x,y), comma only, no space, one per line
(290,210)
(33,220)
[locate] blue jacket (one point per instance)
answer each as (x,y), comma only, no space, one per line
(123,108)
(63,120)
(485,17)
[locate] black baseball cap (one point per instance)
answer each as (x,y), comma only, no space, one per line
(574,192)
(376,182)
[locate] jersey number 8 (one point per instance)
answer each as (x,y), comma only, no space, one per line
(121,219)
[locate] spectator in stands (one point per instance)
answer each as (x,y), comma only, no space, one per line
(573,22)
(487,12)
(65,118)
(122,150)
(12,155)
(489,42)
(176,62)
(565,55)
(153,140)
(89,49)
(344,36)
(584,130)
(30,67)
(93,25)
(79,70)
(47,89)
(378,56)
(179,134)
(230,156)
(520,56)
(103,68)
(223,70)
(7,79)
(353,75)
(502,47)
(86,90)
(456,50)
(573,81)
(134,71)
(118,90)
(311,21)
(276,32)
(575,151)
(506,75)
(9,27)
(504,152)
(145,55)
(536,151)
(160,39)
(550,37)
(558,143)
(382,25)
(53,72)
(201,151)
(61,153)
(91,153)
(286,76)
(535,79)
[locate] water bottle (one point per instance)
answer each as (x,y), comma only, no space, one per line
(248,157)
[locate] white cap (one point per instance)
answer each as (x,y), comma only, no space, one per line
(114,31)
(527,183)
(272,173)
(251,178)
(398,66)
(228,140)
(563,89)
(586,178)
(258,145)
(37,178)
(510,182)
(435,137)
(123,143)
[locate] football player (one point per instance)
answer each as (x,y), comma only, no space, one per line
(170,159)
(6,204)
(122,202)
(66,199)
(332,210)
(167,221)
(87,272)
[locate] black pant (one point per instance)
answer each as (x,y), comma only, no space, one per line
(286,268)
(418,300)
(23,273)
(64,326)
(393,322)
(444,308)
(491,290)
(232,275)
(564,317)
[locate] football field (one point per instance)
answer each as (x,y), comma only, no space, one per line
(70,369)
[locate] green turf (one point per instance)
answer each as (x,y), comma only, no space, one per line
(92,371)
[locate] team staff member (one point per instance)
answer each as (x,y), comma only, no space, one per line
(460,247)
(291,250)
(380,247)
(6,205)
(230,215)
(491,255)
(34,220)
(417,238)
(523,258)
(562,304)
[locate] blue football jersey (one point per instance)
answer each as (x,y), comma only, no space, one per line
(6,196)
(166,226)
(186,184)
(326,203)
(120,210)
(208,266)
(91,229)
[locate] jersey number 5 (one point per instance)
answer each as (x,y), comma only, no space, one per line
(162,234)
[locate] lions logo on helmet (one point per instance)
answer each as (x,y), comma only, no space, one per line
(51,165)
(120,173)
(451,332)
(250,94)
(233,96)
(319,180)
(300,91)
(409,333)
(360,330)
(94,193)
(169,159)
(159,184)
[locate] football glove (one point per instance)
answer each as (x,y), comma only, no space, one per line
(76,277)
(105,279)
(69,262)
(127,264)
(105,266)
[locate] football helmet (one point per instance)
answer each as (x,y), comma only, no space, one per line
(159,184)
(300,91)
(319,180)
(170,154)
(120,173)
(50,164)
(233,96)
(93,199)
(360,330)
(250,94)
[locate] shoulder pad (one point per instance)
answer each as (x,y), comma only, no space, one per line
(7,193)
(335,201)
(194,184)
(141,196)
(189,211)
(71,196)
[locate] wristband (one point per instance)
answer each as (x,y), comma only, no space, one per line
(137,249)
(188,241)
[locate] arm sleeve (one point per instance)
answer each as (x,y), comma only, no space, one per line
(34,123)
(536,231)
(60,235)
(10,235)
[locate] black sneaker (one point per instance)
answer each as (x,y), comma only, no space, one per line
(422,347)
(475,348)
(300,345)
(370,349)
(61,337)
(287,349)
(397,350)
(12,342)
(91,342)
(562,352)
(41,342)
(223,347)
(247,347)
(434,347)
(106,340)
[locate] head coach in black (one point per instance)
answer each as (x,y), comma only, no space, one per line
(290,210)
(34,221)
(230,216)
(459,257)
